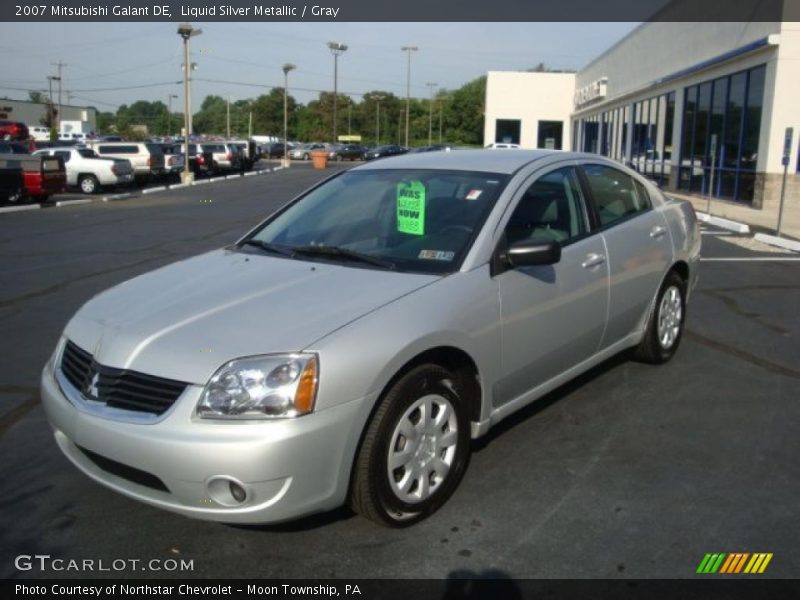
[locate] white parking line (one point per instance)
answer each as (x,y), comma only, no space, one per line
(706,232)
(753,259)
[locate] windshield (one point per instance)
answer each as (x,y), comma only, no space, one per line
(413,220)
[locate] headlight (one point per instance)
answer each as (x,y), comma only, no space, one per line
(261,387)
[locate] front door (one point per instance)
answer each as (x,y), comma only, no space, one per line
(553,316)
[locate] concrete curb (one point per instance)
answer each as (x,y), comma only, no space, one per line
(78,201)
(724,223)
(9,209)
(115,197)
(780,242)
(153,190)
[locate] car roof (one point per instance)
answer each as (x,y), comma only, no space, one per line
(469,160)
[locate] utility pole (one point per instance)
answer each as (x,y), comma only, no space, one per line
(228,119)
(408,50)
(170,97)
(250,125)
(430,85)
(286,68)
(378,99)
(59,65)
(336,49)
(349,117)
(400,126)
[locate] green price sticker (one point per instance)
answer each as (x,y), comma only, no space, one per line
(411,207)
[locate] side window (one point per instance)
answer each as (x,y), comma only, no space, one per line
(617,195)
(64,155)
(551,209)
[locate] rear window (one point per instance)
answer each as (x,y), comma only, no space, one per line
(133,149)
(213,148)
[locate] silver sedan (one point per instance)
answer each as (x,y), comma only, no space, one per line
(348,348)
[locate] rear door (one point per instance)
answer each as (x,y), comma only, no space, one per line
(638,243)
(553,316)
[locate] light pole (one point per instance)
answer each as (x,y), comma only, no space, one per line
(408,50)
(378,98)
(169,113)
(430,85)
(336,49)
(186,31)
(286,68)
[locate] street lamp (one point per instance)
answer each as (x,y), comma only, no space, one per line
(430,85)
(169,113)
(378,98)
(409,50)
(286,68)
(186,31)
(336,49)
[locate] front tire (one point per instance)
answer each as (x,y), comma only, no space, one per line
(665,327)
(415,449)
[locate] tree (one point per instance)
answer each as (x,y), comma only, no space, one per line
(464,113)
(50,112)
(268,113)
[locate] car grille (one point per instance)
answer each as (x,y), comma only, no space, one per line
(118,388)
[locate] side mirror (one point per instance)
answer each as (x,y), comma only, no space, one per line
(531,252)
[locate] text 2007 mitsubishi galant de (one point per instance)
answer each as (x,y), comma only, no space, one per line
(348,348)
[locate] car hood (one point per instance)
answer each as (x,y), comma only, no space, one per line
(185,320)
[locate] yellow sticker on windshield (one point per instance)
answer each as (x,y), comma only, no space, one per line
(411,207)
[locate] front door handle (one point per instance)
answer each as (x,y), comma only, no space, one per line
(657,231)
(592,260)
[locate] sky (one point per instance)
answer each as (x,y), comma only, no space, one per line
(109,64)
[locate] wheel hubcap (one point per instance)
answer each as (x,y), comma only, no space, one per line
(670,316)
(422,448)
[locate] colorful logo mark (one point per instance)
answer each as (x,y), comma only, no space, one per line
(735,562)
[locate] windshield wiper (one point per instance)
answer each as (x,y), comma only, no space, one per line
(268,247)
(336,251)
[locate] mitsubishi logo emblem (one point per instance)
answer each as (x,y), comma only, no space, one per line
(91,388)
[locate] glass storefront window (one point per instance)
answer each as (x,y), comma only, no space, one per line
(506,131)
(730,108)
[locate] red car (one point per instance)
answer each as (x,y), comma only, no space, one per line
(11,130)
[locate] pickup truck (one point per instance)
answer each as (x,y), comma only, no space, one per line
(90,172)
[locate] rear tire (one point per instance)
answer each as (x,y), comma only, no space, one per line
(415,450)
(665,327)
(89,184)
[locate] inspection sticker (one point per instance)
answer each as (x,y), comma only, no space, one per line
(411,207)
(474,194)
(436,255)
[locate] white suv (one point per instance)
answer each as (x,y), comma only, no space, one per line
(146,159)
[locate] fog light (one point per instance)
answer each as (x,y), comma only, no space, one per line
(237,492)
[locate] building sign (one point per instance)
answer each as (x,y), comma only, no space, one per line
(594,91)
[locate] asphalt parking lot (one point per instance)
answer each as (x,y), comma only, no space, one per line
(630,471)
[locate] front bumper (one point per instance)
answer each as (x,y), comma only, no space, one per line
(288,467)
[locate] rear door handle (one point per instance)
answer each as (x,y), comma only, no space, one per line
(657,231)
(592,260)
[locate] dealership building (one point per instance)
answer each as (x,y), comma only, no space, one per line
(702,108)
